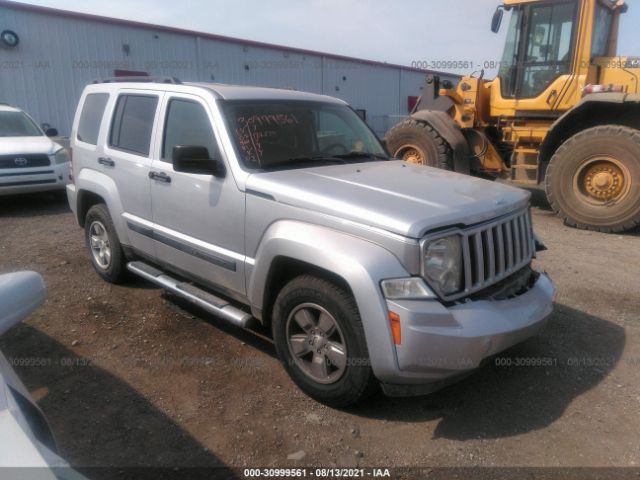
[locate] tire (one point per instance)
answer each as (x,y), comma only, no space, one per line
(98,224)
(593,180)
(339,388)
(418,142)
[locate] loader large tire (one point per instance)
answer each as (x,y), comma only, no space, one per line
(418,142)
(593,180)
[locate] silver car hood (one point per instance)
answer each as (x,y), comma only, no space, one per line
(404,199)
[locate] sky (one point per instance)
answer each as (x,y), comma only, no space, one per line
(395,31)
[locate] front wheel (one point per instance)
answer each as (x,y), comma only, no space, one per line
(320,340)
(593,180)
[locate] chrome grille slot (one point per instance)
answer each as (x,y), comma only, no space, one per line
(494,251)
(489,254)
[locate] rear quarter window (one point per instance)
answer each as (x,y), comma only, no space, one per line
(133,123)
(91,117)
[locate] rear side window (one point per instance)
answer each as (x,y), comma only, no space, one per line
(133,123)
(91,117)
(187,123)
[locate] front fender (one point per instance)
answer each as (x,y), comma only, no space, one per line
(361,264)
(100,184)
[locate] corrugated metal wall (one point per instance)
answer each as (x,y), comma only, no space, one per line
(58,55)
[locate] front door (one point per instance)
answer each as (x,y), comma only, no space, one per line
(199,219)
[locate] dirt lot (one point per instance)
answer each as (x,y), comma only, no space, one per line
(130,378)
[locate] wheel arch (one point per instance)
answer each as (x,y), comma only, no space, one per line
(86,200)
(356,264)
(592,111)
(282,270)
(95,187)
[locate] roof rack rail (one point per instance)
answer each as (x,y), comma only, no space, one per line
(141,79)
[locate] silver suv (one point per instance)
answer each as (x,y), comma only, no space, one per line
(283,207)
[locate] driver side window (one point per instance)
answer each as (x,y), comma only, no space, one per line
(187,123)
(548,47)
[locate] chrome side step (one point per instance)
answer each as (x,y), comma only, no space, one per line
(195,295)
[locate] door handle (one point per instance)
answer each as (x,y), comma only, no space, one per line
(552,97)
(160,177)
(106,161)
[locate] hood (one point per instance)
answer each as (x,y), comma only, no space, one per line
(28,145)
(404,199)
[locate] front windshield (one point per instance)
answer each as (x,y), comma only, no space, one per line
(17,124)
(281,134)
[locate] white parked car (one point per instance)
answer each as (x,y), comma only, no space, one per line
(29,160)
(26,441)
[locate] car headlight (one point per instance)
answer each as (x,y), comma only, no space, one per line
(442,264)
(62,156)
(406,289)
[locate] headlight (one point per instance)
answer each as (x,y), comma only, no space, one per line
(406,289)
(443,264)
(62,156)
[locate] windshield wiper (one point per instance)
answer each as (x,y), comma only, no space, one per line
(320,159)
(324,159)
(359,155)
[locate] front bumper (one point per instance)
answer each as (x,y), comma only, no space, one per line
(440,344)
(35,179)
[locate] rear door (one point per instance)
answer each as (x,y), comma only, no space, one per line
(127,159)
(199,219)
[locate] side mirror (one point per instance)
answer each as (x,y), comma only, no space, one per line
(196,159)
(496,22)
(51,132)
(20,294)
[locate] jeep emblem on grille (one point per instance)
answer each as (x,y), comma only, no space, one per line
(20,161)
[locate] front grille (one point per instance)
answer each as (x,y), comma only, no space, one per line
(24,161)
(495,250)
(511,287)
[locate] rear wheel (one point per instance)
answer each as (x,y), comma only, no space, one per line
(320,340)
(103,244)
(418,143)
(593,180)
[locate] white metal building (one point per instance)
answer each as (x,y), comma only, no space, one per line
(59,52)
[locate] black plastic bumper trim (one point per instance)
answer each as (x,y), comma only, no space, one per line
(183,247)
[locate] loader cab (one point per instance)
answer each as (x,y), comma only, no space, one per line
(548,51)
(539,48)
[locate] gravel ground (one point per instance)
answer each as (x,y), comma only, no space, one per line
(133,378)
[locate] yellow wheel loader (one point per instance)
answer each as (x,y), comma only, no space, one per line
(563,111)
